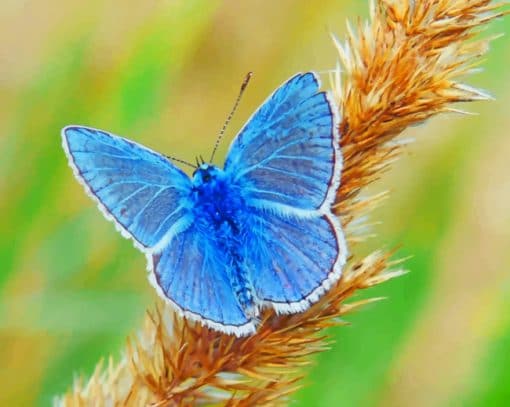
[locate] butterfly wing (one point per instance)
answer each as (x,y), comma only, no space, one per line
(286,157)
(191,272)
(138,189)
(287,163)
(294,260)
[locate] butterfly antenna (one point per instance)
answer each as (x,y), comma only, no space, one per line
(178,160)
(222,132)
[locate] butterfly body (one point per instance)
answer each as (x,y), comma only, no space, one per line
(228,242)
(222,216)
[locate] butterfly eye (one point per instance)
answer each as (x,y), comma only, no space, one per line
(206,177)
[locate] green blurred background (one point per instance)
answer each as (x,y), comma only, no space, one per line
(166,73)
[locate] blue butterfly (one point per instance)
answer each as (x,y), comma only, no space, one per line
(227,243)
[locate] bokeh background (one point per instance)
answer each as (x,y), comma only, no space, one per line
(166,73)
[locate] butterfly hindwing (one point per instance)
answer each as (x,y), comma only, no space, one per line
(295,260)
(192,273)
(140,190)
(285,156)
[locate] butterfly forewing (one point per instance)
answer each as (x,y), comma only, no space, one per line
(139,189)
(284,158)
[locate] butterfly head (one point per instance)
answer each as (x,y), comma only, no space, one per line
(205,174)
